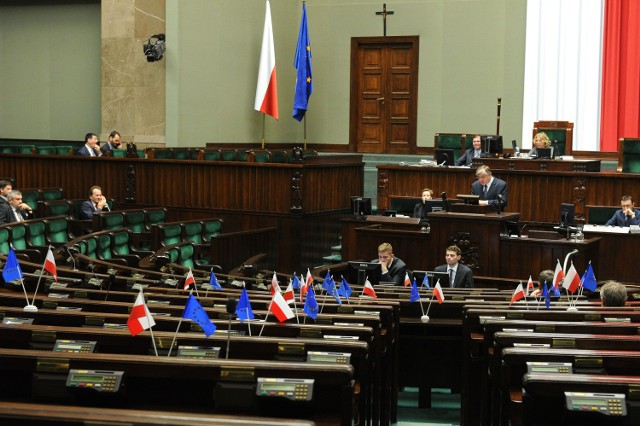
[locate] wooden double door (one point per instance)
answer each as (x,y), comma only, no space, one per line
(384,94)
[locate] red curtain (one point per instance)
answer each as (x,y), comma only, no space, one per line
(620,113)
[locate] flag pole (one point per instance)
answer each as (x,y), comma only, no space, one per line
(37,286)
(174,338)
(263,127)
(265,318)
(147,314)
(304,122)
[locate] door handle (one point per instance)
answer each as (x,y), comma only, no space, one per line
(380,99)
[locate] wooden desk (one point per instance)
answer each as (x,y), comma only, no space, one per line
(538,165)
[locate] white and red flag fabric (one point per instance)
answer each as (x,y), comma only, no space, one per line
(517,294)
(190,280)
(304,288)
(407,281)
(558,275)
(289,296)
(368,289)
(140,318)
(529,286)
(267,88)
(50,265)
(437,291)
(280,308)
(275,287)
(572,280)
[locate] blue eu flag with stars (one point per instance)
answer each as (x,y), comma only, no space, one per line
(311,304)
(11,271)
(194,311)
(243,309)
(302,63)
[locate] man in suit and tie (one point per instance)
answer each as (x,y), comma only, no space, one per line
(14,210)
(393,269)
(5,188)
(112,143)
(492,191)
(90,148)
(627,215)
(96,203)
(475,152)
(460,276)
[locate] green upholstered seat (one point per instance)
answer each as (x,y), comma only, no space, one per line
(56,230)
(111,220)
(211,228)
(135,221)
(104,247)
(279,156)
(169,234)
(36,234)
(54,208)
(155,217)
(559,132)
(31,197)
(4,241)
(229,155)
(47,194)
(599,215)
(180,153)
(18,236)
(211,155)
(261,156)
(26,149)
(243,154)
(629,155)
(46,150)
(64,150)
(118,153)
(8,149)
(453,141)
(91,247)
(192,231)
(186,255)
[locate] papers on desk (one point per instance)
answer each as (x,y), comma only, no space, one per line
(607,229)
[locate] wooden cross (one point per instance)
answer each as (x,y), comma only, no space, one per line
(384,14)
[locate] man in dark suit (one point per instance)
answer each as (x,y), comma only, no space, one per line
(475,152)
(393,269)
(627,215)
(96,203)
(112,143)
(90,148)
(492,191)
(5,188)
(14,210)
(459,275)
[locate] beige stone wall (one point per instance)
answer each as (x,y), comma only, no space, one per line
(133,90)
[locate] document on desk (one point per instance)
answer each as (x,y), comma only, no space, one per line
(606,229)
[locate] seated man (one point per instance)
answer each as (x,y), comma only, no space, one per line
(627,215)
(393,269)
(492,191)
(475,152)
(545,276)
(613,293)
(90,147)
(459,275)
(14,210)
(419,211)
(96,203)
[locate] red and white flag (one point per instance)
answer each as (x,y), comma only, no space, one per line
(275,288)
(304,288)
(437,291)
(529,286)
(189,281)
(267,89)
(289,296)
(518,294)
(572,280)
(140,318)
(280,308)
(50,265)
(368,289)
(558,275)
(407,281)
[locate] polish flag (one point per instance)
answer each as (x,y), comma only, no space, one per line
(407,281)
(289,296)
(267,89)
(304,288)
(368,289)
(275,288)
(558,275)
(437,291)
(518,294)
(50,265)
(572,280)
(140,318)
(280,308)
(189,280)
(529,286)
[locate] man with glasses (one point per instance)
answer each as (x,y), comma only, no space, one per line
(393,269)
(14,210)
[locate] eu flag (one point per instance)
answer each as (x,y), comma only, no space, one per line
(344,290)
(243,309)
(295,283)
(328,284)
(11,271)
(589,279)
(311,304)
(194,311)
(425,282)
(302,63)
(546,295)
(213,282)
(415,295)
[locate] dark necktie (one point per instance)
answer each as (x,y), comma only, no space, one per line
(19,217)
(451,278)
(484,192)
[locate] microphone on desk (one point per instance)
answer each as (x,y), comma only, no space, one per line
(445,201)
(231,306)
(499,203)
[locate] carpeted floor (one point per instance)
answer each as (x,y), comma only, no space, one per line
(445,408)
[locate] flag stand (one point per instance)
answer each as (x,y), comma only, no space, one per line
(425,317)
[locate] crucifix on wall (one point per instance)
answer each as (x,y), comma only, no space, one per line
(384,14)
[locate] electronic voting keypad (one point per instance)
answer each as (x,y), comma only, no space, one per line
(97,380)
(293,389)
(609,404)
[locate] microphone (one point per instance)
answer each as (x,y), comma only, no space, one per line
(566,260)
(66,248)
(443,195)
(106,206)
(231,306)
(499,203)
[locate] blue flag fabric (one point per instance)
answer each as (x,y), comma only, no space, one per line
(295,283)
(335,294)
(344,290)
(243,309)
(213,281)
(11,271)
(194,311)
(302,63)
(425,282)
(546,295)
(415,295)
(311,304)
(588,280)
(328,284)
(556,290)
